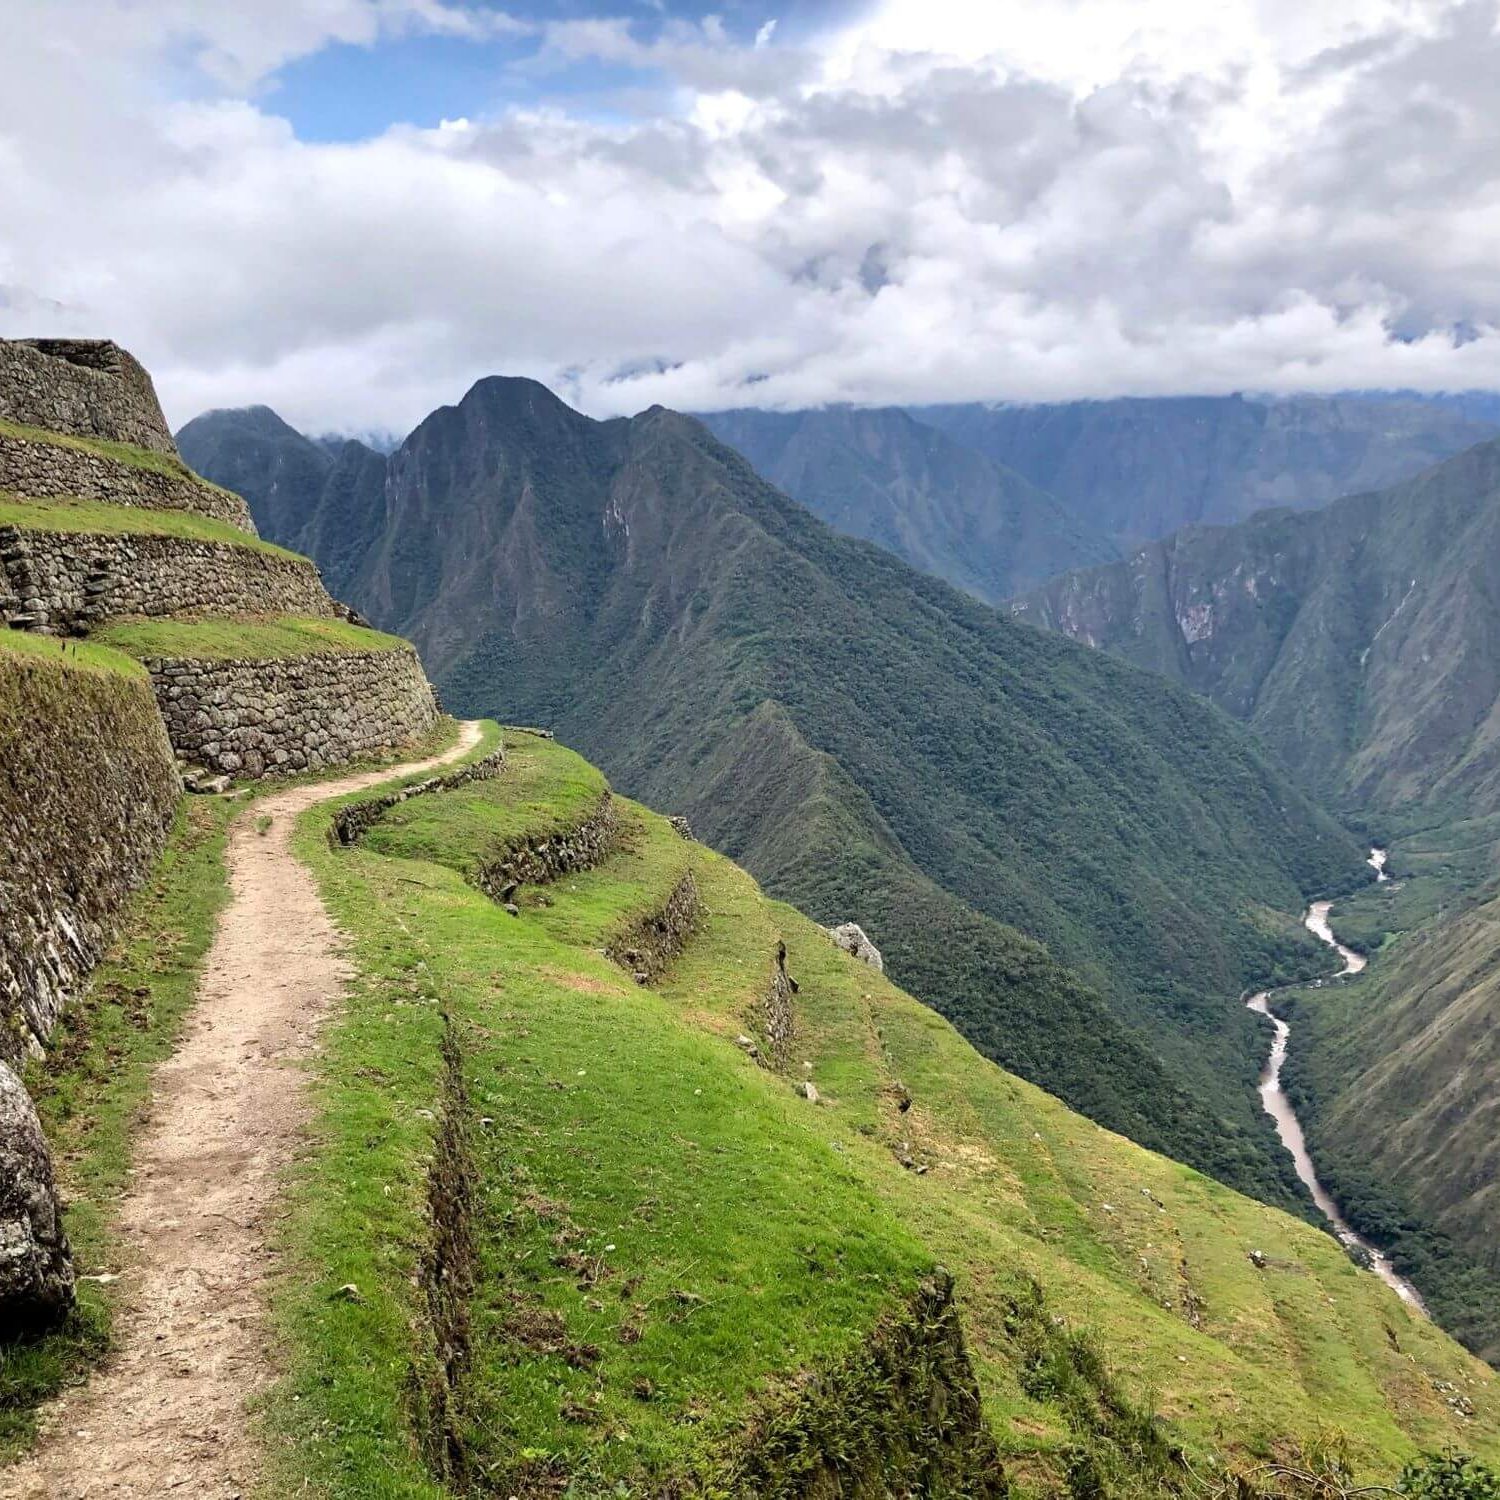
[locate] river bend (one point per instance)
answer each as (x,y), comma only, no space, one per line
(1289,1127)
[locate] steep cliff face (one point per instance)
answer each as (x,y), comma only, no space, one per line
(1141,468)
(945,508)
(1359,641)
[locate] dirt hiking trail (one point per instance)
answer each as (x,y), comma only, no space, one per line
(166,1414)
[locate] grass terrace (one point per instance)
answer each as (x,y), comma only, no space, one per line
(124,453)
(67,655)
(282,637)
(94,518)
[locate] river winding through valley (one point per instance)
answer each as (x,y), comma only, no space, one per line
(1289,1128)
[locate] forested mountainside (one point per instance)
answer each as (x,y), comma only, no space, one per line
(944,507)
(870,742)
(1140,468)
(1358,641)
(1398,1076)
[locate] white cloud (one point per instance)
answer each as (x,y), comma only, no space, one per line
(939,201)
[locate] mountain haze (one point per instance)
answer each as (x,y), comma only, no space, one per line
(1142,467)
(945,508)
(1359,641)
(870,742)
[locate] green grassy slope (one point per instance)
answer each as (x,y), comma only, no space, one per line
(635,584)
(668,1238)
(89,656)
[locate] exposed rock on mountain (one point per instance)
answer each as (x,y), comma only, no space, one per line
(1358,641)
(867,740)
(852,938)
(946,508)
(1141,468)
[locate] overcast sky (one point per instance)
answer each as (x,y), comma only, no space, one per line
(351,209)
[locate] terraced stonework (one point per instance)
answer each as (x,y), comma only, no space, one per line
(537,861)
(66,582)
(42,470)
(648,944)
(88,388)
(251,718)
(87,790)
(351,823)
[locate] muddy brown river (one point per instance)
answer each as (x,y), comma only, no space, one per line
(1289,1127)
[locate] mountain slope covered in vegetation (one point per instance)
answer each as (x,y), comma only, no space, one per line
(1142,467)
(945,508)
(1397,1074)
(875,746)
(703,1263)
(1358,641)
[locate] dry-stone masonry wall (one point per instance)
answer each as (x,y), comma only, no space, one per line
(85,387)
(39,470)
(352,822)
(536,861)
(248,718)
(778,1016)
(87,789)
(68,582)
(647,944)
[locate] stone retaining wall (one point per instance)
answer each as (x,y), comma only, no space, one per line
(778,1017)
(87,789)
(85,387)
(252,718)
(68,582)
(536,861)
(648,944)
(351,823)
(39,470)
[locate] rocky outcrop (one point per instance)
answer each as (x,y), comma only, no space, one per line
(38,469)
(67,582)
(36,1271)
(647,944)
(89,388)
(850,936)
(351,823)
(280,715)
(542,858)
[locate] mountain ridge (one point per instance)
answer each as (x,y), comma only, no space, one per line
(635,584)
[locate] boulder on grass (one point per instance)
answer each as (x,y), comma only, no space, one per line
(850,936)
(36,1267)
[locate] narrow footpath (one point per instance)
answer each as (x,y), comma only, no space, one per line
(1276,1104)
(166,1415)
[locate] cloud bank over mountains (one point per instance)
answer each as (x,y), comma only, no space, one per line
(924,200)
